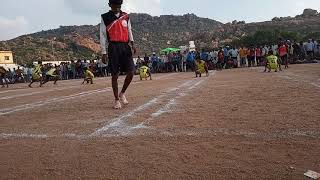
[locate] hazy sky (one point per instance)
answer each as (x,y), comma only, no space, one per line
(18,17)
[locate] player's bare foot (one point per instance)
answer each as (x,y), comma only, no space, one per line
(123,99)
(117,105)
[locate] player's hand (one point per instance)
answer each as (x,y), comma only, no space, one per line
(104,59)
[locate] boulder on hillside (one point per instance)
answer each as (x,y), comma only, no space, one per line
(309,12)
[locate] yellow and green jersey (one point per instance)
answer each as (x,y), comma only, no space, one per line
(89,74)
(273,61)
(37,73)
(144,71)
(51,72)
(200,66)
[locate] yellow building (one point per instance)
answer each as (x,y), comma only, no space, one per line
(6,57)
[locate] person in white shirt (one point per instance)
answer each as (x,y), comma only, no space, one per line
(115,30)
(309,47)
(234,55)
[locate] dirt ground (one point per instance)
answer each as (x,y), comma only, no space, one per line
(235,124)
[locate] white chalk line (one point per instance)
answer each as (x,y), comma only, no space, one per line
(166,76)
(118,125)
(174,132)
(116,122)
(73,85)
(38,92)
(10,110)
(298,80)
(172,102)
(54,100)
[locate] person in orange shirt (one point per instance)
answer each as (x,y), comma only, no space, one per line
(243,56)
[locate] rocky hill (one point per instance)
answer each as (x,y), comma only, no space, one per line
(150,33)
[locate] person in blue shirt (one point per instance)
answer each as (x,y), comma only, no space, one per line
(204,55)
(191,61)
(226,55)
(154,61)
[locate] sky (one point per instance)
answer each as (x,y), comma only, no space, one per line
(19,17)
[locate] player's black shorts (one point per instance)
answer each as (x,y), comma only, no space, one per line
(120,58)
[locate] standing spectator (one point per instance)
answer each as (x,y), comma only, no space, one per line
(154,61)
(85,64)
(283,53)
(179,61)
(315,47)
(92,66)
(258,55)
(25,73)
(265,52)
(233,52)
(78,69)
(146,59)
(3,77)
(170,61)
(204,55)
(243,56)
(309,47)
(73,69)
(220,63)
(303,54)
(175,62)
(13,76)
(19,75)
(226,55)
(161,64)
(274,49)
(184,61)
(166,62)
(251,56)
(139,62)
(191,61)
(65,71)
(29,73)
(296,51)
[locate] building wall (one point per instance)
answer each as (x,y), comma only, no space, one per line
(6,57)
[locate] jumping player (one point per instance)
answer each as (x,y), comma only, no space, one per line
(37,74)
(115,30)
(145,73)
(88,76)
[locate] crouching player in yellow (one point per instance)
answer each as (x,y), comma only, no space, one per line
(36,74)
(272,62)
(88,76)
(201,68)
(51,74)
(145,73)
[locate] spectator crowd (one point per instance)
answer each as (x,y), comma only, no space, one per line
(222,58)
